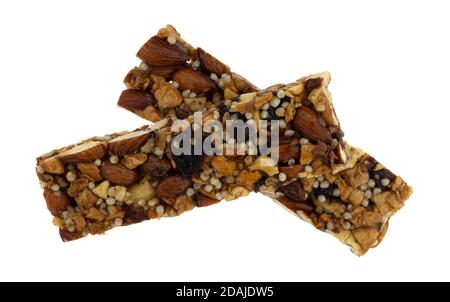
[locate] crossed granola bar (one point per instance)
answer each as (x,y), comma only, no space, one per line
(128,177)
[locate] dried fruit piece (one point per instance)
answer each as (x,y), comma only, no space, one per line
(135,100)
(119,174)
(52,165)
(168,97)
(306,121)
(90,170)
(223,165)
(57,202)
(135,214)
(188,165)
(84,153)
(156,167)
(172,187)
(193,80)
(294,191)
(211,64)
(287,152)
(158,52)
(125,144)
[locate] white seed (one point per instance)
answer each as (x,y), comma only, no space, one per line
(316,184)
(280,94)
(112,192)
(227,103)
(264,114)
(204,176)
(280,112)
(285,105)
(365,203)
(266,106)
(141,202)
(336,192)
(226,77)
(368,193)
(71,228)
(214,180)
(248,115)
(197,186)
(282,177)
(208,188)
(114,159)
(98,162)
(160,210)
(304,141)
(40,170)
(190,192)
(320,178)
(330,225)
(347,216)
(347,225)
(99,201)
(308,168)
(214,77)
(324,184)
(376,191)
(371,183)
(55,187)
(91,185)
(321,198)
(196,64)
(172,39)
(349,207)
(363,187)
(118,221)
(185,93)
(110,201)
(289,132)
(216,115)
(229,179)
(218,185)
(218,196)
(153,202)
(70,176)
(143,66)
(283,124)
(334,143)
(385,182)
(291,162)
(192,95)
(275,102)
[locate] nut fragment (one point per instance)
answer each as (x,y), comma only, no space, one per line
(90,170)
(134,160)
(69,236)
(366,237)
(248,178)
(265,164)
(158,52)
(204,201)
(125,144)
(168,97)
(52,165)
(57,202)
(86,199)
(211,64)
(119,174)
(288,152)
(172,187)
(193,80)
(294,191)
(223,165)
(306,121)
(102,189)
(141,190)
(137,79)
(84,153)
(95,214)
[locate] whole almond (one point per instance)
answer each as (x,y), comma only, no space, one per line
(84,153)
(211,64)
(165,71)
(156,167)
(125,144)
(57,202)
(172,187)
(158,52)
(193,80)
(119,174)
(306,121)
(135,100)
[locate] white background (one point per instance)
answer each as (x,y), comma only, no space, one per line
(61,70)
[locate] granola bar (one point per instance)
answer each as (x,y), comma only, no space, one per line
(175,79)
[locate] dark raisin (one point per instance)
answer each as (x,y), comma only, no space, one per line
(327,192)
(312,84)
(135,214)
(294,191)
(188,164)
(272,114)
